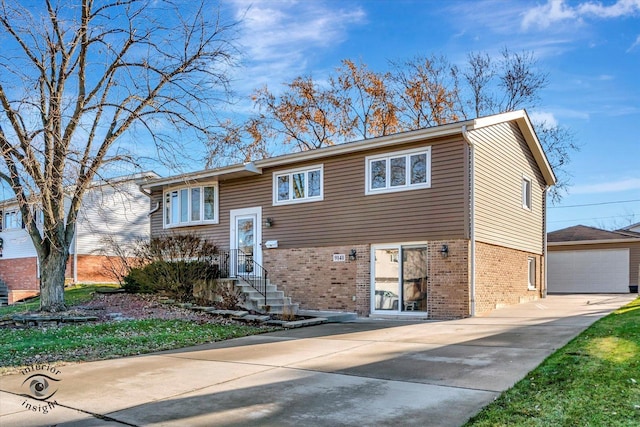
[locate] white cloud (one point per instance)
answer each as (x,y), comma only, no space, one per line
(555,11)
(634,45)
(278,37)
(607,187)
(543,117)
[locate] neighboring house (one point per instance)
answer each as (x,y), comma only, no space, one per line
(444,222)
(633,227)
(112,212)
(590,260)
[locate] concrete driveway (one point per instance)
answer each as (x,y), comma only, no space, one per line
(363,373)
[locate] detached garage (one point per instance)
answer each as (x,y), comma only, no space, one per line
(590,260)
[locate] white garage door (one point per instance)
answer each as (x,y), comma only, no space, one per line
(590,271)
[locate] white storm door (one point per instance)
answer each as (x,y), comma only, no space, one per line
(246,237)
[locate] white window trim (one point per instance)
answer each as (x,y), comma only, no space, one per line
(531,262)
(18,215)
(292,172)
(527,201)
(216,203)
(387,157)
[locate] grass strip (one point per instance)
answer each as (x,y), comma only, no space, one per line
(22,347)
(592,381)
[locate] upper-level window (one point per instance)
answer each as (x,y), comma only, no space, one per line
(526,193)
(399,171)
(12,220)
(191,206)
(298,185)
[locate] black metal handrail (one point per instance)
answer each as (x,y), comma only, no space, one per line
(235,263)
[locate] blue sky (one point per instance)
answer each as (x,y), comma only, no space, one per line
(591,50)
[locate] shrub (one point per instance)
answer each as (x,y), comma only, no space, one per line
(174,264)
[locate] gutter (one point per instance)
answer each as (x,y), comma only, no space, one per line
(472,219)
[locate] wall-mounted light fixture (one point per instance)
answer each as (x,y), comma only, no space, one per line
(352,255)
(269,222)
(444,251)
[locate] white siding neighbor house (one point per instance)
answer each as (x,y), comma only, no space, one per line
(113,211)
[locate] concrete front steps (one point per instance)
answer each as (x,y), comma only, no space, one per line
(277,302)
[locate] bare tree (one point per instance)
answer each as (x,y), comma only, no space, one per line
(478,75)
(512,83)
(366,101)
(75,77)
(305,114)
(422,92)
(558,143)
(238,142)
(427,91)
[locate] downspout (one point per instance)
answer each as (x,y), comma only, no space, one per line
(148,194)
(154,210)
(544,245)
(472,218)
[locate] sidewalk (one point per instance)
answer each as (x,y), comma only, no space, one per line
(363,373)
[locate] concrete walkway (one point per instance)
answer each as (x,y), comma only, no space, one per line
(364,373)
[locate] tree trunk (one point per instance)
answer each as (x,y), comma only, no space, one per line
(52,272)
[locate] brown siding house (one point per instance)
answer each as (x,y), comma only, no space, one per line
(443,222)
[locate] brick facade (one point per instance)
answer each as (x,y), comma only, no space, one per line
(21,277)
(448,284)
(502,277)
(311,278)
(96,268)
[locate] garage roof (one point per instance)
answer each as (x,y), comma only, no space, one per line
(581,233)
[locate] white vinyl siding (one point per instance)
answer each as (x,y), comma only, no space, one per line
(115,214)
(398,171)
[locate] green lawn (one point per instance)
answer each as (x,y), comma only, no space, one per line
(83,342)
(592,381)
(73,295)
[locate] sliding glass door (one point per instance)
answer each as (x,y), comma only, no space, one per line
(399,278)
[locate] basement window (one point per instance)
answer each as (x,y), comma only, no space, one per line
(532,273)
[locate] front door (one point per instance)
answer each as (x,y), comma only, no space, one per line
(246,237)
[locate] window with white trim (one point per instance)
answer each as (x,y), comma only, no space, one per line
(526,193)
(191,206)
(532,273)
(12,220)
(298,185)
(398,171)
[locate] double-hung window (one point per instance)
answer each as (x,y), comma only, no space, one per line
(191,206)
(12,220)
(398,171)
(298,185)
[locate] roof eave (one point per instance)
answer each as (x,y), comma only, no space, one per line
(593,242)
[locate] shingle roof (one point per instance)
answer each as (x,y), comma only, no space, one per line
(582,232)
